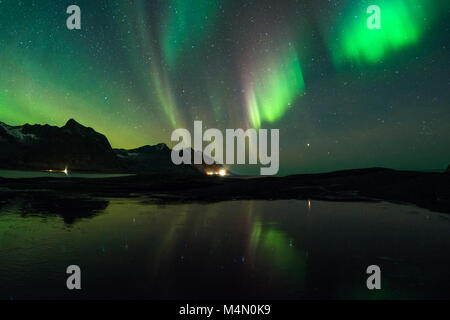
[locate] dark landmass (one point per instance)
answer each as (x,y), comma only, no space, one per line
(158,159)
(426,189)
(82,149)
(41,147)
(152,159)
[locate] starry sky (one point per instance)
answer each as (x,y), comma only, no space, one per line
(343,96)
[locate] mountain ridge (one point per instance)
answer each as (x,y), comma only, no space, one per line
(80,148)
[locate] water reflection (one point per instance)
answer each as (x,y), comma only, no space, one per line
(40,204)
(240,249)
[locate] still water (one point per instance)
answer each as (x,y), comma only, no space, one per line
(135,248)
(17,174)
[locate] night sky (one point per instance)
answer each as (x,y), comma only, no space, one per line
(343,96)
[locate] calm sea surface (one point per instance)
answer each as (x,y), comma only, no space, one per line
(41,174)
(134,248)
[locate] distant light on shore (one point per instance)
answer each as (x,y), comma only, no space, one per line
(65,171)
(221,172)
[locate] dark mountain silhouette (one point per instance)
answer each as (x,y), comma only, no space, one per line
(79,148)
(151,159)
(43,147)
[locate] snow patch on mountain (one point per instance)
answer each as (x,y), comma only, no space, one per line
(16,132)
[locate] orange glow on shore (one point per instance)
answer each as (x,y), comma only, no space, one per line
(221,172)
(65,171)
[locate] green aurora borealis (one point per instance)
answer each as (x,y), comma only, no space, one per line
(342,96)
(404,23)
